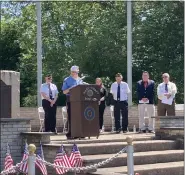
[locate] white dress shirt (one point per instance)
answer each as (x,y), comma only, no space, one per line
(124,90)
(45,89)
(172,89)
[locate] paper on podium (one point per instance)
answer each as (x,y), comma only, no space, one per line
(167,101)
(143,102)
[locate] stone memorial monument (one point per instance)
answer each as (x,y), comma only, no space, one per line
(11,124)
(10,94)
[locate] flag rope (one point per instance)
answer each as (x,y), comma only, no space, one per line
(86,168)
(71,169)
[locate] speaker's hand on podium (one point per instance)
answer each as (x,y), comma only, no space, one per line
(85,83)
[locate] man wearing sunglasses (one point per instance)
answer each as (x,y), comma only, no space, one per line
(70,82)
(166,97)
(49,93)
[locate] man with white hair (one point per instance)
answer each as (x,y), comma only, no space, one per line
(166,97)
(70,82)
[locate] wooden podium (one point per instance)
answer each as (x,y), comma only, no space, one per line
(85,110)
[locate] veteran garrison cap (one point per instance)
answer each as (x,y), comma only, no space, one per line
(74,69)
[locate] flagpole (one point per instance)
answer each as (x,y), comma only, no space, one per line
(0,11)
(39,53)
(129,49)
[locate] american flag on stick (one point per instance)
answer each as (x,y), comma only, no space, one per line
(75,158)
(40,164)
(8,164)
(24,167)
(62,160)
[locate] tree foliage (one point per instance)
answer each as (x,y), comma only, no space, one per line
(11,51)
(93,35)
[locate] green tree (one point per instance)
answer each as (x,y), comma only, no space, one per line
(158,41)
(93,35)
(10,48)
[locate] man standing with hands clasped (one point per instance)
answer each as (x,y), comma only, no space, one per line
(120,91)
(145,93)
(166,97)
(49,93)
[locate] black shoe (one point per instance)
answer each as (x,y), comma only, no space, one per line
(118,131)
(150,131)
(125,131)
(142,131)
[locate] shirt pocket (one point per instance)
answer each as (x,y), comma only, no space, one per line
(124,89)
(53,90)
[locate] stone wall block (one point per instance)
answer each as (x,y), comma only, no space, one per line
(10,133)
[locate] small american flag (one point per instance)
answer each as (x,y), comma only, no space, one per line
(24,166)
(8,159)
(40,164)
(62,160)
(75,158)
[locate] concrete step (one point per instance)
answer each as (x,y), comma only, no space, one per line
(140,158)
(113,147)
(169,168)
(101,139)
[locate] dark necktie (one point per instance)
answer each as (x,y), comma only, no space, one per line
(166,88)
(118,92)
(50,92)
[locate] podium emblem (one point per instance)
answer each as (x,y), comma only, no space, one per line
(89,113)
(89,93)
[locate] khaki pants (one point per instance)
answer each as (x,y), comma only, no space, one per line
(162,109)
(150,112)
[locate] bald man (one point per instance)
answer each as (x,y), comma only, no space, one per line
(166,92)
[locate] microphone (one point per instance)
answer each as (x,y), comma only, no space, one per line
(83,77)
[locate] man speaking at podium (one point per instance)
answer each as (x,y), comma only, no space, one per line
(70,82)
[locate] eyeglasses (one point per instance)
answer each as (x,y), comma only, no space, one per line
(165,77)
(73,72)
(49,78)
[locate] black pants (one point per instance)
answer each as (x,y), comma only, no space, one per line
(101,112)
(68,104)
(50,116)
(121,106)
